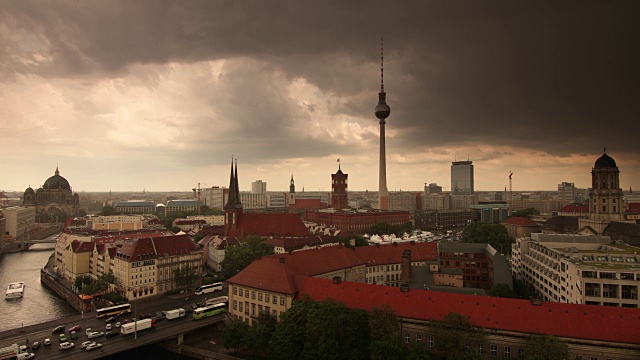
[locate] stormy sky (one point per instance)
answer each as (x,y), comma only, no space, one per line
(126,95)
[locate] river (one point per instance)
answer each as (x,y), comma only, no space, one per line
(39,304)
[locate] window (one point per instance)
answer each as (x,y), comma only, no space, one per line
(275,313)
(253,295)
(266,297)
(281,300)
(520,352)
(259,296)
(246,294)
(407,338)
(507,352)
(275,299)
(594,358)
(235,305)
(480,349)
(418,338)
(240,306)
(430,341)
(494,350)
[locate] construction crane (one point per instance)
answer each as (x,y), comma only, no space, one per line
(510,194)
(196,192)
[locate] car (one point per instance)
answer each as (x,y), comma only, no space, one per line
(22,349)
(111,333)
(161,314)
(87,343)
(47,342)
(88,331)
(66,345)
(35,345)
(95,334)
(142,316)
(62,338)
(74,328)
(25,356)
(108,327)
(93,347)
(118,324)
(126,321)
(57,329)
(200,304)
(73,335)
(111,319)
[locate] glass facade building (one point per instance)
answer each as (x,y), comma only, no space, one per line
(462,178)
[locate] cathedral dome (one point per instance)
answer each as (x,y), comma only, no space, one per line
(605,161)
(56,182)
(29,191)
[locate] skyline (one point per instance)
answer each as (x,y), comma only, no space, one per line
(128,96)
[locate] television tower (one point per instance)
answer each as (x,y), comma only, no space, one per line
(382,112)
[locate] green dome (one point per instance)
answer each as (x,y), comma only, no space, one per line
(56,182)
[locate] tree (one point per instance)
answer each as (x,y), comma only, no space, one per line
(239,257)
(258,336)
(525,213)
(185,276)
(109,210)
(546,347)
(82,212)
(503,290)
(523,290)
(493,234)
(381,228)
(419,351)
(233,334)
(389,348)
(453,334)
(82,280)
(383,322)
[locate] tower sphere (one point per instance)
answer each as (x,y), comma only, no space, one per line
(382,111)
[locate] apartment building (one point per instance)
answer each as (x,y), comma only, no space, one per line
(19,221)
(579,269)
(116,222)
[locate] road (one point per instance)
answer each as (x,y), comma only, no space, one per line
(165,329)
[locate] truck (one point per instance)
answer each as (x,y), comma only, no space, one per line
(175,314)
(9,352)
(139,325)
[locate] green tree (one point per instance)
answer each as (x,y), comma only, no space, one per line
(503,290)
(388,348)
(82,212)
(82,280)
(109,210)
(175,229)
(525,213)
(383,322)
(419,351)
(239,257)
(233,334)
(523,290)
(493,234)
(258,336)
(381,228)
(546,347)
(185,276)
(452,334)
(287,342)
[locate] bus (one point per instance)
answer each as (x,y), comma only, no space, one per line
(215,300)
(113,310)
(205,289)
(209,310)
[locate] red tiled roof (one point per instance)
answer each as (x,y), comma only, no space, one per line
(211,230)
(269,225)
(575,208)
(327,259)
(519,221)
(151,248)
(633,207)
(82,246)
(223,243)
(590,322)
(300,242)
(266,273)
(133,235)
(189,222)
(112,251)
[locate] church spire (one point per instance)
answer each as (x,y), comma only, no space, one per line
(57,172)
(292,186)
(234,196)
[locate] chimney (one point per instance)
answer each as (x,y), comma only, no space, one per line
(281,260)
(337,280)
(404,288)
(536,301)
(405,274)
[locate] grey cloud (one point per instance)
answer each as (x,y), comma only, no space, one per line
(555,77)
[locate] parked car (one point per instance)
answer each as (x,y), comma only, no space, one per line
(25,356)
(74,328)
(117,324)
(35,345)
(87,343)
(57,329)
(95,334)
(108,327)
(22,349)
(88,331)
(62,338)
(66,345)
(73,335)
(111,333)
(93,347)
(47,342)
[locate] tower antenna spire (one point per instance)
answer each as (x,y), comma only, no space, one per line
(381,64)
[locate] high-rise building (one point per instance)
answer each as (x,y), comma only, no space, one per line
(462,178)
(432,188)
(567,192)
(382,112)
(339,184)
(259,187)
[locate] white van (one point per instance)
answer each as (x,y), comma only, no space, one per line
(26,355)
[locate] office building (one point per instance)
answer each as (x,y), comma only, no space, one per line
(462,178)
(258,187)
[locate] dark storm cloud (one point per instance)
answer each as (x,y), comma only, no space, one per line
(553,76)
